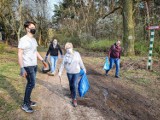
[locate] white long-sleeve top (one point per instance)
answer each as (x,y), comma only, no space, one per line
(72,63)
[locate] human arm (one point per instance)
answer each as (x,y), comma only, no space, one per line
(60,50)
(23,73)
(110,50)
(41,59)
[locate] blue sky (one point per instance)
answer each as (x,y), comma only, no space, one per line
(51,6)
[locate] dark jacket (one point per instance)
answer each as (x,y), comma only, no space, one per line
(115,51)
(54,51)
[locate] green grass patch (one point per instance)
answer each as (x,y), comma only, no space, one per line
(138,77)
(11,84)
(6,107)
(142,48)
(2,48)
(156,73)
(99,45)
(143,81)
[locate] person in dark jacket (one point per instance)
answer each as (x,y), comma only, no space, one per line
(53,51)
(114,57)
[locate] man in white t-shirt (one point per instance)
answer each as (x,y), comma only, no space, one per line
(27,58)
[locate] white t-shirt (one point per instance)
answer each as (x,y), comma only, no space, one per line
(29,46)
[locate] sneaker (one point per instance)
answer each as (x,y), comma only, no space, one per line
(27,108)
(75,103)
(117,76)
(33,104)
(51,73)
(106,74)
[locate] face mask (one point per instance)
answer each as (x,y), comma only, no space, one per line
(69,50)
(55,43)
(33,31)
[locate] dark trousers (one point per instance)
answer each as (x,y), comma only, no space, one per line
(73,79)
(31,79)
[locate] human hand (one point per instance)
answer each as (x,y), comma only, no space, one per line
(85,71)
(45,64)
(62,56)
(59,74)
(23,72)
(45,58)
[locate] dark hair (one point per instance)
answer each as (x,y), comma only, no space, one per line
(27,23)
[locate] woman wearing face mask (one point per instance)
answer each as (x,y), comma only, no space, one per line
(73,63)
(53,51)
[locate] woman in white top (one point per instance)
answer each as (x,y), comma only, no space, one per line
(73,63)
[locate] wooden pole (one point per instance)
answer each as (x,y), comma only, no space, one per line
(149,64)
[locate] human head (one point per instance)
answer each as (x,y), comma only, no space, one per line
(69,47)
(118,43)
(54,41)
(30,27)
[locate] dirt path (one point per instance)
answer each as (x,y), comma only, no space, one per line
(54,102)
(108,98)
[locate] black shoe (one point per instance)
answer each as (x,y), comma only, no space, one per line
(117,76)
(106,74)
(27,108)
(33,104)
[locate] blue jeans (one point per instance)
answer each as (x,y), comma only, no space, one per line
(73,79)
(53,60)
(31,79)
(115,61)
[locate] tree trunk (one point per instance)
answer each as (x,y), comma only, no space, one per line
(128,28)
(18,36)
(40,39)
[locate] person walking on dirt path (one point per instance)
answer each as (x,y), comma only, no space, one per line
(114,57)
(27,58)
(53,51)
(73,63)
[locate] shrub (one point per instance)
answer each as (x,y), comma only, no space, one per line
(99,45)
(2,48)
(141,47)
(86,38)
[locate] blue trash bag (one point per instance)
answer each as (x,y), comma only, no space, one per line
(83,85)
(81,72)
(106,64)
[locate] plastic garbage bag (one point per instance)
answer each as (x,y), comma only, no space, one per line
(81,72)
(106,64)
(83,85)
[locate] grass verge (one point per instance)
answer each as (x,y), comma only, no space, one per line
(11,84)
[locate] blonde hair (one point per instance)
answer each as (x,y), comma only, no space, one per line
(55,40)
(68,45)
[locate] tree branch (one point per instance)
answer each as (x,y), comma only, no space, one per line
(115,9)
